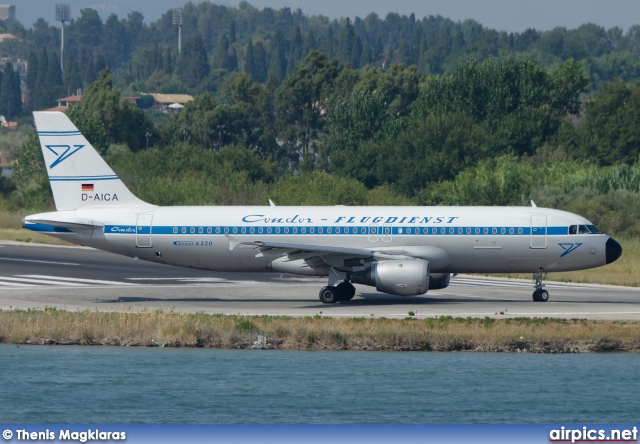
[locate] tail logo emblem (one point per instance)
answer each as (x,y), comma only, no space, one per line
(568,248)
(62,152)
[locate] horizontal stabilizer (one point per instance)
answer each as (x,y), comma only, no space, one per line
(65,224)
(58,223)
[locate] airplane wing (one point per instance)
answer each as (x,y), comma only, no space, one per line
(306,248)
(317,255)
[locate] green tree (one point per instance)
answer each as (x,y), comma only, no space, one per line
(71,76)
(221,57)
(116,41)
(90,73)
(278,59)
(32,70)
(10,93)
(30,176)
(398,86)
(356,53)
(122,122)
(262,68)
(167,62)
(301,102)
(377,55)
(365,59)
(610,133)
(90,28)
(88,121)
(309,43)
(55,88)
(295,50)
(252,101)
(330,44)
(250,61)
(346,42)
(101,62)
(40,101)
(353,121)
(194,66)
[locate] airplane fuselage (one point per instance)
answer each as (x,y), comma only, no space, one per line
(455,239)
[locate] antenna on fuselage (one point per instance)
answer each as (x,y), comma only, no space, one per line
(533,204)
(271,203)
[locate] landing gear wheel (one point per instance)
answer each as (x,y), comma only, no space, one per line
(544,296)
(329,295)
(539,295)
(346,291)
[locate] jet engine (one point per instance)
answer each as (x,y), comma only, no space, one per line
(438,281)
(401,277)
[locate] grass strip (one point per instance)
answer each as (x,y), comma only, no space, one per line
(170,329)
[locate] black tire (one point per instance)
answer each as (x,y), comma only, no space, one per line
(329,295)
(543,296)
(536,296)
(346,291)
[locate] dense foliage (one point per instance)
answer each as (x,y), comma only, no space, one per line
(304,110)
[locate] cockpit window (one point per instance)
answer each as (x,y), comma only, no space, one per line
(593,229)
(583,229)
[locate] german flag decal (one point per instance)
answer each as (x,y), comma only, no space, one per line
(87,187)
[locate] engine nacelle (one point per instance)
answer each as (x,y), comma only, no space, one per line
(438,281)
(403,278)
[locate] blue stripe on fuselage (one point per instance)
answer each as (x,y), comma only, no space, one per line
(380,230)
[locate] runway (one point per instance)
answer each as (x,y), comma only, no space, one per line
(36,276)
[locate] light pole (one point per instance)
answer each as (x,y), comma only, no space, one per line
(148,136)
(177,20)
(63,14)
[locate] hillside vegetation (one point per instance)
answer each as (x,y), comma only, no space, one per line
(303,110)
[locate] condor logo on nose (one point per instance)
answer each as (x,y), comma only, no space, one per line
(62,152)
(568,248)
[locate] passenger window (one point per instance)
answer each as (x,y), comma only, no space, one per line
(573,229)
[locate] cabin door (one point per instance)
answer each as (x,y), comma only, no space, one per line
(143,231)
(539,231)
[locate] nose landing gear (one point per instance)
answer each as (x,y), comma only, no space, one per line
(539,295)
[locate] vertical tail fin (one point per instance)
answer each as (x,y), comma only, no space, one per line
(78,175)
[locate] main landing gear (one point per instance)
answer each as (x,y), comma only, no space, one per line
(539,295)
(344,291)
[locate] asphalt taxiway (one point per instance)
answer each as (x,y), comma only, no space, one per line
(36,276)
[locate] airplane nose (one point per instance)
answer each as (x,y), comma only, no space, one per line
(613,250)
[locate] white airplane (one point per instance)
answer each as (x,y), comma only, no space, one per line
(398,250)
